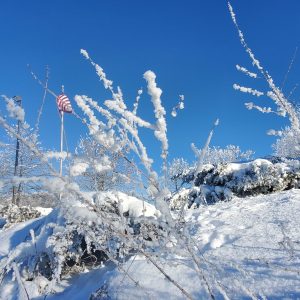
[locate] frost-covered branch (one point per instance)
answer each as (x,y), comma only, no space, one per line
(247,90)
(137,101)
(161,124)
(251,105)
(275,94)
(14,110)
(204,150)
(178,106)
(245,71)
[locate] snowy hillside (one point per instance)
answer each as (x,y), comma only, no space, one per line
(246,248)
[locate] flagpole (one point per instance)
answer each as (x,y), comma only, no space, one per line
(61,136)
(61,142)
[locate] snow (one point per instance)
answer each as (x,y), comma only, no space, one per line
(44,210)
(135,207)
(252,246)
(15,235)
(57,155)
(245,71)
(78,168)
(178,106)
(247,247)
(14,110)
(159,111)
(247,90)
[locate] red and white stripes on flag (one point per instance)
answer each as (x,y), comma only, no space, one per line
(64,103)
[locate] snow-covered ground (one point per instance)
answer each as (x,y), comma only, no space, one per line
(246,248)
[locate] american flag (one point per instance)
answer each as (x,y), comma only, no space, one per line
(64,103)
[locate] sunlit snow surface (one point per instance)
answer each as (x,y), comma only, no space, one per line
(248,248)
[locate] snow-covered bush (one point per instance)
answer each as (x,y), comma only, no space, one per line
(181,172)
(73,238)
(16,214)
(223,181)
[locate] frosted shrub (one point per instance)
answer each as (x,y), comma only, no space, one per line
(93,223)
(288,143)
(217,155)
(96,169)
(16,214)
(74,238)
(223,181)
(177,170)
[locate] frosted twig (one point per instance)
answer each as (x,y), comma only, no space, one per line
(247,90)
(277,95)
(137,101)
(245,71)
(178,106)
(289,69)
(35,77)
(43,101)
(204,150)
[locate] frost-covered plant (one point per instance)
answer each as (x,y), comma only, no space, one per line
(119,128)
(177,170)
(95,220)
(283,106)
(217,155)
(223,181)
(288,143)
(178,106)
(201,154)
(28,163)
(96,169)
(17,214)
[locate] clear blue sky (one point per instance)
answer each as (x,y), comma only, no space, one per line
(191,45)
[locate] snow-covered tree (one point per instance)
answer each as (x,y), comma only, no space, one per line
(288,143)
(100,170)
(29,165)
(177,170)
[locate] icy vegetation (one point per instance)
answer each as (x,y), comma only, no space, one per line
(223,227)
(220,182)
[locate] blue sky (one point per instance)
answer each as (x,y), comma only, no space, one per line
(191,45)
